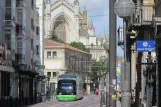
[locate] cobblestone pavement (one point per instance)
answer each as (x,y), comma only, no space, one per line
(87,101)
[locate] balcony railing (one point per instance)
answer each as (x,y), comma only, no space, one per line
(21,3)
(20,29)
(95,47)
(20,58)
(9,23)
(143,14)
(10,14)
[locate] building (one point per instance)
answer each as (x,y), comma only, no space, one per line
(157,8)
(140,27)
(19,52)
(27,51)
(65,21)
(6,69)
(61,58)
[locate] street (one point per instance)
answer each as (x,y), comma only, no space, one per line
(87,101)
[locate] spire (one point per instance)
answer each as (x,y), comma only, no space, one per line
(76,2)
(85,11)
(90,25)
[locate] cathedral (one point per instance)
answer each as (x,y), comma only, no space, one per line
(69,24)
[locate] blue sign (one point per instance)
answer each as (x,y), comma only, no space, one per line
(145,46)
(117,79)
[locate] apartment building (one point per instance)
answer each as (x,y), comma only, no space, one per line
(7,24)
(157,8)
(19,51)
(61,58)
(27,49)
(140,27)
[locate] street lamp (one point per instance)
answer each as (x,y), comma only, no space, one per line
(103,59)
(106,47)
(124,9)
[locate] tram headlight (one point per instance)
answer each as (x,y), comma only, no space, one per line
(60,93)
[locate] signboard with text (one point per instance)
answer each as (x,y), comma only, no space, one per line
(145,46)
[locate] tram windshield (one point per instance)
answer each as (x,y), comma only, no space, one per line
(66,86)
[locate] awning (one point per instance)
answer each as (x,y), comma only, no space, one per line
(6,68)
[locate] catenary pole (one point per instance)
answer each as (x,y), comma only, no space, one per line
(112,53)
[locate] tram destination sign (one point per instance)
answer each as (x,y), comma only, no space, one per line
(145,46)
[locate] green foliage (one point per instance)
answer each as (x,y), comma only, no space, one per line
(54,37)
(79,45)
(99,70)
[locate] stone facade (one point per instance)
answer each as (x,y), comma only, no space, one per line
(61,58)
(69,24)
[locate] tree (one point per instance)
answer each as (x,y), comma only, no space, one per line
(54,37)
(99,70)
(79,45)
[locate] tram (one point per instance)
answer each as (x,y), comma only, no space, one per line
(70,87)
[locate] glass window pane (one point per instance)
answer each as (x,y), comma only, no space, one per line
(49,74)
(48,54)
(54,54)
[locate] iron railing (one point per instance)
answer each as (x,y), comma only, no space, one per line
(143,14)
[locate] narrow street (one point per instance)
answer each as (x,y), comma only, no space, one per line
(87,101)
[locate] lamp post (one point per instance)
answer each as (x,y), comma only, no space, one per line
(103,59)
(106,47)
(124,9)
(112,54)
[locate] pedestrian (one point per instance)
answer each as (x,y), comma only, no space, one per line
(97,91)
(84,90)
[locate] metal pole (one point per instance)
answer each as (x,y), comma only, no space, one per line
(107,82)
(112,53)
(125,94)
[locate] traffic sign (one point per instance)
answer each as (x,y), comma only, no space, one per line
(145,46)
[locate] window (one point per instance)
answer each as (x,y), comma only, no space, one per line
(48,54)
(32,24)
(37,30)
(54,54)
(54,74)
(8,3)
(32,4)
(49,74)
(8,41)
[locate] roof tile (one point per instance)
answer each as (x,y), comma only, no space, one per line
(51,43)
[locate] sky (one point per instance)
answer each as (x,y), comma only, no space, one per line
(98,11)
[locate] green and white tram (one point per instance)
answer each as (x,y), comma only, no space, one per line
(70,87)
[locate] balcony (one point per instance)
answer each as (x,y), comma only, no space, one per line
(21,3)
(9,23)
(10,14)
(20,29)
(143,15)
(95,47)
(20,58)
